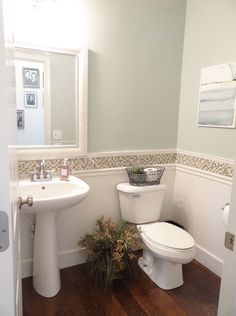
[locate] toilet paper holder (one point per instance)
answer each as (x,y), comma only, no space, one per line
(226,204)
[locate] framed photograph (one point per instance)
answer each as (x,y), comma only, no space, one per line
(20,117)
(31,77)
(31,99)
(217,96)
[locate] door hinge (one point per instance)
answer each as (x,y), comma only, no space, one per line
(229,241)
(4,231)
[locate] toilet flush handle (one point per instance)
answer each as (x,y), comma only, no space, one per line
(136,195)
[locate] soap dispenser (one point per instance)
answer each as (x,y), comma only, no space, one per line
(64,175)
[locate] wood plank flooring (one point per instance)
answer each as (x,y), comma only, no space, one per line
(136,296)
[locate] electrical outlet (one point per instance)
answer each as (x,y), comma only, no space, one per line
(57,134)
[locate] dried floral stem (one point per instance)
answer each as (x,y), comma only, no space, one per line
(110,249)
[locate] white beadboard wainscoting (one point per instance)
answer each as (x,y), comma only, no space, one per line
(197,205)
(76,221)
(198,187)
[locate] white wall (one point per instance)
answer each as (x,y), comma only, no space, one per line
(73,223)
(198,199)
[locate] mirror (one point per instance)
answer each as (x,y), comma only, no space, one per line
(51,98)
(46,90)
(51,78)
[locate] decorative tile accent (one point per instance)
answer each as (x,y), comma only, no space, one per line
(99,162)
(213,166)
(93,162)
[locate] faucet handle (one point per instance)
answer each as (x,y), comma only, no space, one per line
(49,174)
(33,174)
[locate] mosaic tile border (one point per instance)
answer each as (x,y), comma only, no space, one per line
(99,162)
(96,161)
(209,165)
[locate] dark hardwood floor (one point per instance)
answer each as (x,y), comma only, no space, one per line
(136,296)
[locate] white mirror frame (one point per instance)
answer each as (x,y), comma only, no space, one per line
(61,151)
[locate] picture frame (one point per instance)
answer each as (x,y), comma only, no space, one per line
(31,100)
(31,77)
(20,119)
(217,96)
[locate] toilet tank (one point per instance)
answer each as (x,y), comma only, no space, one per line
(141,204)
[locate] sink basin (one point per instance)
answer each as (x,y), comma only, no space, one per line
(49,198)
(53,195)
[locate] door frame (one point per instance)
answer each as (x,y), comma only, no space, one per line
(10,271)
(227,300)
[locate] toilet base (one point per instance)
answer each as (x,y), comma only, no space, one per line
(165,274)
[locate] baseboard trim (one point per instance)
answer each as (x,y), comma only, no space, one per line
(71,258)
(77,256)
(209,260)
(66,259)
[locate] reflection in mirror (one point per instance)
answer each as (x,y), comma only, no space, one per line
(46,97)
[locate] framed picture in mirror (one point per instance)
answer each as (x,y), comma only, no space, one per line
(20,118)
(31,99)
(31,77)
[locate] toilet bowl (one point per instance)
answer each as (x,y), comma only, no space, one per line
(167,246)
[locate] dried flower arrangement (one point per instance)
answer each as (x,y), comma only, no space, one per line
(110,250)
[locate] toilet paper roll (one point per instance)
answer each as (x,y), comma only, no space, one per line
(150,170)
(149,173)
(226,214)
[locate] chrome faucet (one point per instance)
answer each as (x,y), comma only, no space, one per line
(41,174)
(42,169)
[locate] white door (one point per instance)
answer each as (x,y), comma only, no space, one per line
(10,273)
(227,302)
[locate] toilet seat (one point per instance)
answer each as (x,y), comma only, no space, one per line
(167,235)
(160,244)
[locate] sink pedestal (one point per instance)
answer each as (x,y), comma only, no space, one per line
(46,273)
(49,199)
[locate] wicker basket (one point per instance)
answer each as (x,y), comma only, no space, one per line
(146,177)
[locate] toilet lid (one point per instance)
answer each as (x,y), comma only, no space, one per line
(167,235)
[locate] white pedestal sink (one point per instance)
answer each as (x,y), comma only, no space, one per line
(49,198)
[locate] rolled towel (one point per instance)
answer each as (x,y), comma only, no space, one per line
(149,173)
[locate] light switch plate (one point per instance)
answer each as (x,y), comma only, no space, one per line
(4,231)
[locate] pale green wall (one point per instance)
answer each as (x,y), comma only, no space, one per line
(62,87)
(134,73)
(209,40)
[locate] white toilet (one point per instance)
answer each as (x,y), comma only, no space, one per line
(168,246)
